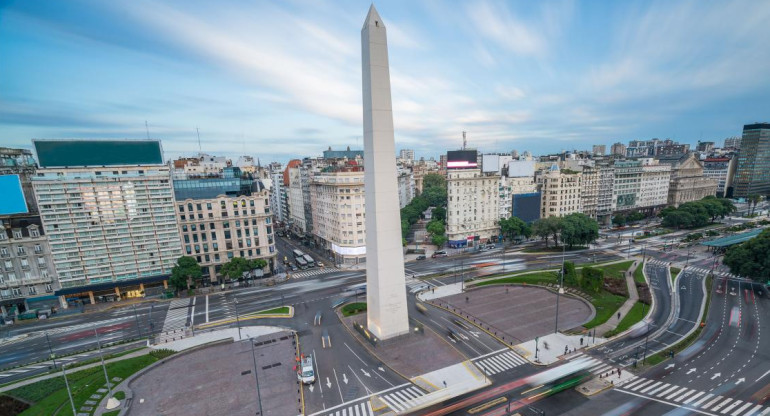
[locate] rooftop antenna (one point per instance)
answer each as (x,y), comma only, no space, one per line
(465,141)
(147,127)
(200,149)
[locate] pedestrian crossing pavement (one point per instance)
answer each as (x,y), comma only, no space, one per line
(311,272)
(595,366)
(358,409)
(702,270)
(59,361)
(401,400)
(176,317)
(688,398)
(498,363)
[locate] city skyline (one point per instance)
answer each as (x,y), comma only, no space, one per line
(542,78)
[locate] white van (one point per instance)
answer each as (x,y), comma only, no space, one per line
(306,373)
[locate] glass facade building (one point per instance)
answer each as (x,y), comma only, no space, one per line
(752,176)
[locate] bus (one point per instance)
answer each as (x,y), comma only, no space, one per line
(298,254)
(309,260)
(559,378)
(301,263)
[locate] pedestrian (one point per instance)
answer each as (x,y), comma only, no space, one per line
(466,299)
(581,341)
(433,290)
(566,349)
(618,315)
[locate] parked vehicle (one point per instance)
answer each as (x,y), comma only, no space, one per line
(306,372)
(421,257)
(440,253)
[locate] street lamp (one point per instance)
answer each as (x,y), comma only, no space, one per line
(67,384)
(237,319)
(111,403)
(53,356)
(561,283)
(256,378)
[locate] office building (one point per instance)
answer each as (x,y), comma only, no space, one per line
(733,143)
(640,185)
(296,204)
(277,192)
(752,176)
(704,147)
(406,154)
(599,149)
(224,217)
(108,210)
(618,149)
(722,170)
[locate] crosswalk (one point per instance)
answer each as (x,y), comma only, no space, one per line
(658,262)
(595,366)
(401,400)
(499,363)
(692,399)
(702,270)
(176,317)
(311,272)
(359,409)
(59,361)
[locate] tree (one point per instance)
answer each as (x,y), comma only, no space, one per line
(547,227)
(753,199)
(257,264)
(635,216)
(434,197)
(619,220)
(750,259)
(592,279)
(433,180)
(235,268)
(437,232)
(439,240)
(578,229)
(439,213)
(184,272)
(514,227)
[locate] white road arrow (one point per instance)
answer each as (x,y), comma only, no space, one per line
(716,375)
(692,370)
(670,366)
(311,387)
(328,383)
(365,373)
(344,378)
(381,369)
(740,380)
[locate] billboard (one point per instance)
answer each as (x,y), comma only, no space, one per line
(462,159)
(71,153)
(12,201)
(527,206)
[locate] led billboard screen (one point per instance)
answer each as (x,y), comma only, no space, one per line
(12,201)
(462,159)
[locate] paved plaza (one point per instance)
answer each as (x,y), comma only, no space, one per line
(518,313)
(223,381)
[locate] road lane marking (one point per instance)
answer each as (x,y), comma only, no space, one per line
(207,308)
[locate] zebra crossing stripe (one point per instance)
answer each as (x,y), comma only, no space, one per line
(711,403)
(664,393)
(634,382)
(732,406)
(656,390)
(650,387)
(682,396)
(703,399)
(721,404)
(641,385)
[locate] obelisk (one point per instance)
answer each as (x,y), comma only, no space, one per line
(386,291)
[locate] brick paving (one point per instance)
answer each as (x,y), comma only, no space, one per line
(520,312)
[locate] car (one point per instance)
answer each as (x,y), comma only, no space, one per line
(440,253)
(293,268)
(321,265)
(306,372)
(421,257)
(490,246)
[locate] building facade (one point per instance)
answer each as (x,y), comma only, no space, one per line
(275,171)
(473,211)
(108,210)
(224,217)
(560,191)
(618,149)
(722,170)
(339,209)
(687,180)
(752,175)
(604,197)
(589,191)
(27,273)
(599,149)
(406,154)
(296,202)
(406,187)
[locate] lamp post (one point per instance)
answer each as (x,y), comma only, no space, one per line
(256,378)
(237,318)
(561,283)
(53,356)
(69,392)
(101,356)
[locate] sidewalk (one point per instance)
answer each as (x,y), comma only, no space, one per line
(441,291)
(633,297)
(212,336)
(446,383)
(550,348)
(21,383)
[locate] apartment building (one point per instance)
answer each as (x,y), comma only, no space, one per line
(589,190)
(604,199)
(560,191)
(473,211)
(337,197)
(108,210)
(293,182)
(275,171)
(224,217)
(640,185)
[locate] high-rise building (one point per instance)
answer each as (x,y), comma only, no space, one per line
(752,175)
(640,185)
(222,217)
(589,190)
(599,149)
(293,184)
(472,208)
(405,186)
(108,210)
(406,154)
(704,147)
(733,143)
(618,149)
(337,195)
(604,196)
(722,170)
(275,170)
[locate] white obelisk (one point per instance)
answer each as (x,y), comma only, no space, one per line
(386,291)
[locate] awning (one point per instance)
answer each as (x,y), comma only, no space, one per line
(111,285)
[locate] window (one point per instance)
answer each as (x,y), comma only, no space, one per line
(24,262)
(184,228)
(38,248)
(215,246)
(198,206)
(186,238)
(27,275)
(17,234)
(181,208)
(3,251)
(8,265)
(41,262)
(203,227)
(34,232)
(48,288)
(188,249)
(21,250)
(208,206)
(12,277)
(189,207)
(3,236)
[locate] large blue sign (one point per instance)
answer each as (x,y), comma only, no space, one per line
(12,196)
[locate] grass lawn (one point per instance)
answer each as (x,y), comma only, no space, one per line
(283,310)
(633,316)
(674,272)
(615,271)
(606,305)
(639,274)
(353,308)
(50,395)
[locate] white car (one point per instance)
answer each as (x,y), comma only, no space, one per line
(306,372)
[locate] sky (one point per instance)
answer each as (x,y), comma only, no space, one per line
(281,80)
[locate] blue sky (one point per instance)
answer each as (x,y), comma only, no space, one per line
(282,79)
